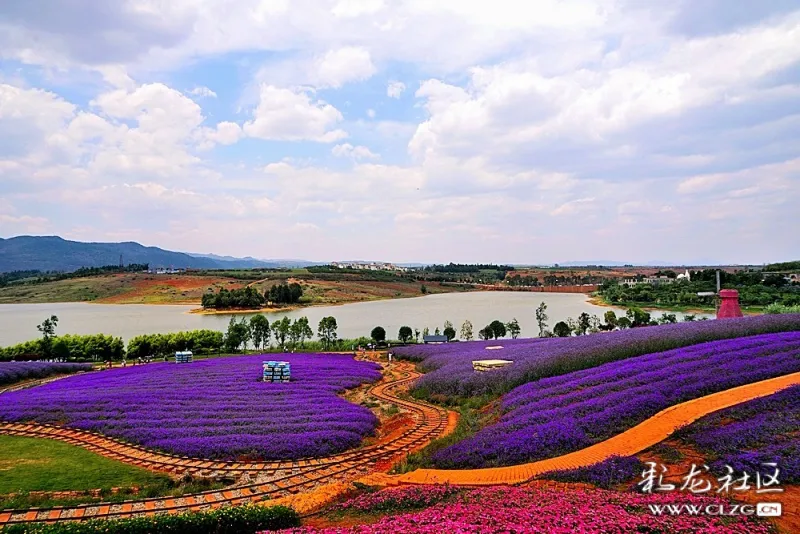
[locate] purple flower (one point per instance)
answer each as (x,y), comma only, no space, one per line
(216,408)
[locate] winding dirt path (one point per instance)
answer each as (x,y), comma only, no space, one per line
(642,436)
(257,481)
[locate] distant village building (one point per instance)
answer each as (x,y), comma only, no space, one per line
(434,339)
(656,280)
(369,266)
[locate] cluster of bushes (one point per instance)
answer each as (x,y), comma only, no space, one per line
(780,308)
(198,341)
(68,347)
(284,294)
(247,519)
(246,297)
(249,297)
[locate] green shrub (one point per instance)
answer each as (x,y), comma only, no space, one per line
(246,519)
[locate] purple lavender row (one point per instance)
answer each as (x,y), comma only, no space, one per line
(451,371)
(751,434)
(556,416)
(212,408)
(11,372)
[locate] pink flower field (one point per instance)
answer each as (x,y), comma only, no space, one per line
(578,510)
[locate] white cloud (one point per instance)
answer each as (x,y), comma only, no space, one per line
(347,150)
(343,65)
(332,69)
(292,115)
(356,8)
(203,91)
(395,89)
(601,116)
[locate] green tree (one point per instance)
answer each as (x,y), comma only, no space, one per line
(436,332)
(425,331)
(405,334)
(541,318)
(48,330)
(449,332)
(638,317)
(611,320)
(259,331)
(326,331)
(689,317)
(485,333)
(667,318)
(497,329)
(562,329)
(584,323)
(304,330)
(282,329)
(378,334)
(514,328)
(423,289)
(416,335)
(236,336)
(623,323)
(466,330)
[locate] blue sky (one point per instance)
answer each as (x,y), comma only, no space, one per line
(536,132)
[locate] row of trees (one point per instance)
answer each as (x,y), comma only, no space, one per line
(249,297)
(755,289)
(287,334)
(68,347)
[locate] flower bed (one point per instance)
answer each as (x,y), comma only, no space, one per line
(750,434)
(11,372)
(607,474)
(214,408)
(451,364)
(542,510)
(557,415)
(402,498)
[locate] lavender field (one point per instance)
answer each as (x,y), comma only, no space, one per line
(450,366)
(215,408)
(750,434)
(557,415)
(11,372)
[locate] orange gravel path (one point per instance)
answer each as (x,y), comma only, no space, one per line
(642,436)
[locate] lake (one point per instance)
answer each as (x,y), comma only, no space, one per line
(18,321)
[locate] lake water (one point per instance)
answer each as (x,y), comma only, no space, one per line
(18,321)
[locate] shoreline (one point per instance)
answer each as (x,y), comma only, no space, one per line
(599,301)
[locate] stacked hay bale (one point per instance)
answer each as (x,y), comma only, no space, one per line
(277,371)
(183,356)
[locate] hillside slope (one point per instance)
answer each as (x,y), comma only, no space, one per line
(52,253)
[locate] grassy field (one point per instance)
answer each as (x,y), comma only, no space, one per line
(30,464)
(141,288)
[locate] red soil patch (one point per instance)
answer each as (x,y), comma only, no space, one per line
(167,288)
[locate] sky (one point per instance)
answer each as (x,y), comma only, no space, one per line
(408,130)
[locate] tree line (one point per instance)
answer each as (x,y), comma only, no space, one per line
(250,298)
(755,289)
(35,276)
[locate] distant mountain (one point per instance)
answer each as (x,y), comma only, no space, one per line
(249,262)
(52,253)
(605,263)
